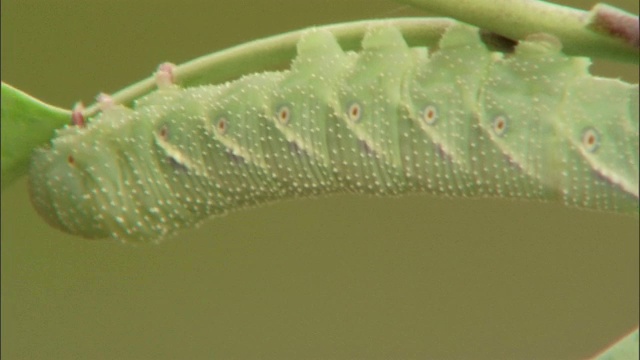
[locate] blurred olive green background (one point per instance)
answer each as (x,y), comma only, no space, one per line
(340,277)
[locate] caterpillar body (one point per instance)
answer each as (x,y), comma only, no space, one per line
(390,119)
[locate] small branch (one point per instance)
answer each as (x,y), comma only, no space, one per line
(268,53)
(516,19)
(623,348)
(613,22)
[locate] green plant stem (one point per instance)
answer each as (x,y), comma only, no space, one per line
(623,348)
(518,18)
(271,52)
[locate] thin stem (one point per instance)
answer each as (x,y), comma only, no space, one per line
(518,18)
(624,348)
(615,23)
(270,52)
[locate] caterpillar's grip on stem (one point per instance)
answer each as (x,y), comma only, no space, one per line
(391,119)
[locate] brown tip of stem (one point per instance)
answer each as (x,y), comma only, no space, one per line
(614,22)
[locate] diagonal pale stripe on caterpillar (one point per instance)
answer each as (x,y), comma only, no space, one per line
(460,120)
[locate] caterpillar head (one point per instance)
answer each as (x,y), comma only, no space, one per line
(69,179)
(104,179)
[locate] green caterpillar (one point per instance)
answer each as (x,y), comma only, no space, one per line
(391,119)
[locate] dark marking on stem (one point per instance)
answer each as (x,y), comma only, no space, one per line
(497,42)
(614,22)
(77,119)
